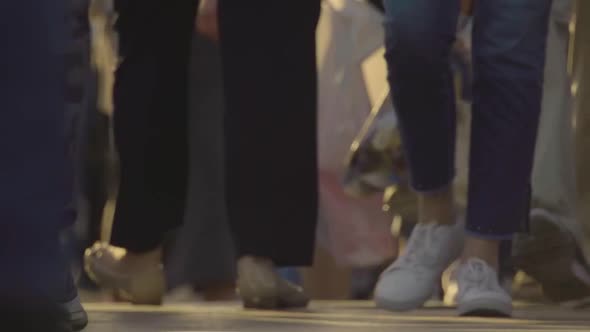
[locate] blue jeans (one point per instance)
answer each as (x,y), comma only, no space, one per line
(35,189)
(509,40)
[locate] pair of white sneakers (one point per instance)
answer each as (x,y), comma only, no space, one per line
(412,279)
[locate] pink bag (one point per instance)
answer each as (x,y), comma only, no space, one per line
(356,231)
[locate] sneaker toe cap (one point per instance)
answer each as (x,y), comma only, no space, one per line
(401,291)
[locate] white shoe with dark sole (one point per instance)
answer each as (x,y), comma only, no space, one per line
(479,291)
(412,279)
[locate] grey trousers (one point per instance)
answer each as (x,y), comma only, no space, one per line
(553,173)
(560,180)
(203,250)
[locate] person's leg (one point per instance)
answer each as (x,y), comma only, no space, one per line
(35,174)
(551,253)
(268,55)
(419,36)
(509,57)
(508,83)
(150,124)
(553,172)
(150,118)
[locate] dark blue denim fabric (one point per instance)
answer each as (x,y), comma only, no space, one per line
(35,175)
(509,40)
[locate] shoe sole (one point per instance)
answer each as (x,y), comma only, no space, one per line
(485,308)
(268,303)
(260,286)
(271,303)
(548,255)
(266,298)
(77,316)
(252,300)
(78,321)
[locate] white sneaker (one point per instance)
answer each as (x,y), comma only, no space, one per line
(412,279)
(479,291)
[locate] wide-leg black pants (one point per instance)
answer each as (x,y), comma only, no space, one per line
(268,57)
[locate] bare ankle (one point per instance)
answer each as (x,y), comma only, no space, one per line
(486,250)
(437,207)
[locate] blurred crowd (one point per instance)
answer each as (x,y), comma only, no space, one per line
(401,151)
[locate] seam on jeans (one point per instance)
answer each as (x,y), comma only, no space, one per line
(438,189)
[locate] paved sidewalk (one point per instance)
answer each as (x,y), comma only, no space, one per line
(323,317)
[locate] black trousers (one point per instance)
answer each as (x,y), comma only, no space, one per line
(268,58)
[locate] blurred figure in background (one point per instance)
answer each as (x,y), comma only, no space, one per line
(579,66)
(553,253)
(508,72)
(89,124)
(201,257)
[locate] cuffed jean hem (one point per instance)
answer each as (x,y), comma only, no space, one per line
(488,236)
(433,187)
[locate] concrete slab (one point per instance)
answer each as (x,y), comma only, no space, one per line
(323,317)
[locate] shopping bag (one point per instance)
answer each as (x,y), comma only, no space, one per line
(375,159)
(355,231)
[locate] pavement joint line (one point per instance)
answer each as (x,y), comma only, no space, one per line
(342,319)
(238,311)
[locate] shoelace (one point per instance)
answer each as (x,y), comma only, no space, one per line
(476,274)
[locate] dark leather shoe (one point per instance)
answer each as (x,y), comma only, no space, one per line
(73,312)
(261,287)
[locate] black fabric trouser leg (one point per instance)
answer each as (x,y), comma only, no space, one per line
(150,119)
(268,54)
